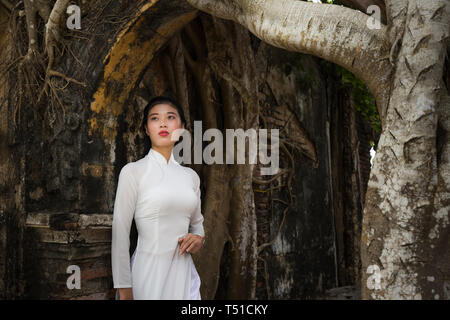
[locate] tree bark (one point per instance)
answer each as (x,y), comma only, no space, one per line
(240,111)
(405,224)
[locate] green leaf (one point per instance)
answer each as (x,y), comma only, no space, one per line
(363,100)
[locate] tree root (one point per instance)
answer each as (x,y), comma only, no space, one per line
(266,277)
(264,245)
(7,5)
(31,65)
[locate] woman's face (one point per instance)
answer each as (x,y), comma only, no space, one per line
(163,117)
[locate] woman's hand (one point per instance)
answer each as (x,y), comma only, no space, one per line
(125,293)
(191,243)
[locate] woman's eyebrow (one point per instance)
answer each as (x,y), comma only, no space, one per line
(156,113)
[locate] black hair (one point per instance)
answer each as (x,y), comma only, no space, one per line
(153,102)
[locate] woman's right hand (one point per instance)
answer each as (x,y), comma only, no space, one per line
(125,294)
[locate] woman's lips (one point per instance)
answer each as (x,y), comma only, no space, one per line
(163,133)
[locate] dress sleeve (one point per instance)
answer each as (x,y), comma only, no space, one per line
(196,225)
(124,206)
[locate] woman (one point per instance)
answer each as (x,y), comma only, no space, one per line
(164,199)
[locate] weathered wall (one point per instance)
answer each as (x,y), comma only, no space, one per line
(350,152)
(307,257)
(303,96)
(301,261)
(11,183)
(56,241)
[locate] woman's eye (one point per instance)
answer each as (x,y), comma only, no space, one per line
(153,118)
(172,117)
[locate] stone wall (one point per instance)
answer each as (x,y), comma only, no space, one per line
(11,182)
(55,242)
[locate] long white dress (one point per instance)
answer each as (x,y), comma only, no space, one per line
(164,199)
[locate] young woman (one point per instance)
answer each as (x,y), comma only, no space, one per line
(164,199)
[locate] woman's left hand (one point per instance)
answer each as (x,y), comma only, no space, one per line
(191,243)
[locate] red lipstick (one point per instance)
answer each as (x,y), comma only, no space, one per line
(163,133)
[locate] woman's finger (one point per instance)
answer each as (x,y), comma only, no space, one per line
(186,242)
(195,246)
(181,241)
(191,247)
(191,242)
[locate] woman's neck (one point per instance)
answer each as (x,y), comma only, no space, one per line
(165,151)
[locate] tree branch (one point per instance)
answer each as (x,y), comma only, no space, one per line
(179,65)
(334,33)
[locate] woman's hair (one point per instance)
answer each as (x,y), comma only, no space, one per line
(153,102)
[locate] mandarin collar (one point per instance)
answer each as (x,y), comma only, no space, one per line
(160,158)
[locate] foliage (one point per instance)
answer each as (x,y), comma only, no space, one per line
(362,98)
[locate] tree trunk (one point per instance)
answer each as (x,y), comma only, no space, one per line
(406,230)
